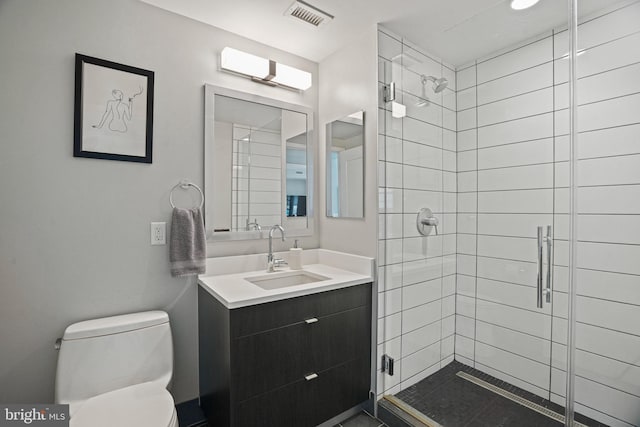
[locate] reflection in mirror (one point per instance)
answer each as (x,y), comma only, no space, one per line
(345,166)
(256,165)
(297,175)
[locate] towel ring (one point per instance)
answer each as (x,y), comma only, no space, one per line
(185,185)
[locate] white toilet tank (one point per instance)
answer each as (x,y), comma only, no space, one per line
(102,355)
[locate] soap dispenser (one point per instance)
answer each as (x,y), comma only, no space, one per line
(295,257)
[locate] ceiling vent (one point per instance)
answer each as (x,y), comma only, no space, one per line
(309,14)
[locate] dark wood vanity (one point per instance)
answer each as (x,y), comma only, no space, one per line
(293,362)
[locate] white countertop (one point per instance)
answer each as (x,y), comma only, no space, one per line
(233,291)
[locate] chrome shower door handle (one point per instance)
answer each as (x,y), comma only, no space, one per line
(540,258)
(549,240)
(544,294)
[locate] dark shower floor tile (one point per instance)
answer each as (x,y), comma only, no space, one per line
(455,402)
(361,420)
(503,413)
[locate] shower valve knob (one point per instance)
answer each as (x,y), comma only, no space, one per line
(425,220)
(433,221)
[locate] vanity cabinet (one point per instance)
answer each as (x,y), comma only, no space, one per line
(293,362)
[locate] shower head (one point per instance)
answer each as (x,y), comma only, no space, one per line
(438,84)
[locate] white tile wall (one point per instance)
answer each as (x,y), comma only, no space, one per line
(516,178)
(516,201)
(467,161)
(466,119)
(511,379)
(509,225)
(521,82)
(527,370)
(256,176)
(517,107)
(524,57)
(517,130)
(416,339)
(466,98)
(615,25)
(524,345)
(467,140)
(516,154)
(466,78)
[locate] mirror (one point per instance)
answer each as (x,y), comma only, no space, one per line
(345,167)
(257,165)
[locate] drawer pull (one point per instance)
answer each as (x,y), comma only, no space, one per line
(312,320)
(311,377)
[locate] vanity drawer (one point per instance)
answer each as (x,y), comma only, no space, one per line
(338,338)
(262,317)
(268,360)
(308,402)
(271,359)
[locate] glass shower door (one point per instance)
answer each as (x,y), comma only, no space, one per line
(506,222)
(478,298)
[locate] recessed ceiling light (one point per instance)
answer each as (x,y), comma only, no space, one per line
(522,4)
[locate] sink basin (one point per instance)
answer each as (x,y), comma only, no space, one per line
(285,279)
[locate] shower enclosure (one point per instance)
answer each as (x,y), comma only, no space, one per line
(523,284)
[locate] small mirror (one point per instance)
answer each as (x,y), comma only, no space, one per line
(345,167)
(257,165)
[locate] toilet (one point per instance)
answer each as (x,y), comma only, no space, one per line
(115,371)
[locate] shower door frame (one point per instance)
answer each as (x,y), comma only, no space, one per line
(573,212)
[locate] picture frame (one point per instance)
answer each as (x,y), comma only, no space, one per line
(113,117)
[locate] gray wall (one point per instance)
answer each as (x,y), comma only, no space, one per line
(348,84)
(74,233)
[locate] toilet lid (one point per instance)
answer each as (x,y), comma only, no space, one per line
(140,405)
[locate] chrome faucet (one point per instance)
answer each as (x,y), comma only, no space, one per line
(272,262)
(253,225)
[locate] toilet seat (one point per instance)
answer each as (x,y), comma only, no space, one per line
(141,405)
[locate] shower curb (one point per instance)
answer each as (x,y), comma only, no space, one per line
(404,413)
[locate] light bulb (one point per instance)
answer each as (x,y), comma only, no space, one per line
(522,4)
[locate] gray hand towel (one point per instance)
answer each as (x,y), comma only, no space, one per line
(188,244)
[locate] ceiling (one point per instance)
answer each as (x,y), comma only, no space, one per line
(457,31)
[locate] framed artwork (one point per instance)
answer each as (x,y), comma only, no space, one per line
(113,111)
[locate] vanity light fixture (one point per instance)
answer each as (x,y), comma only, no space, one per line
(522,4)
(264,70)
